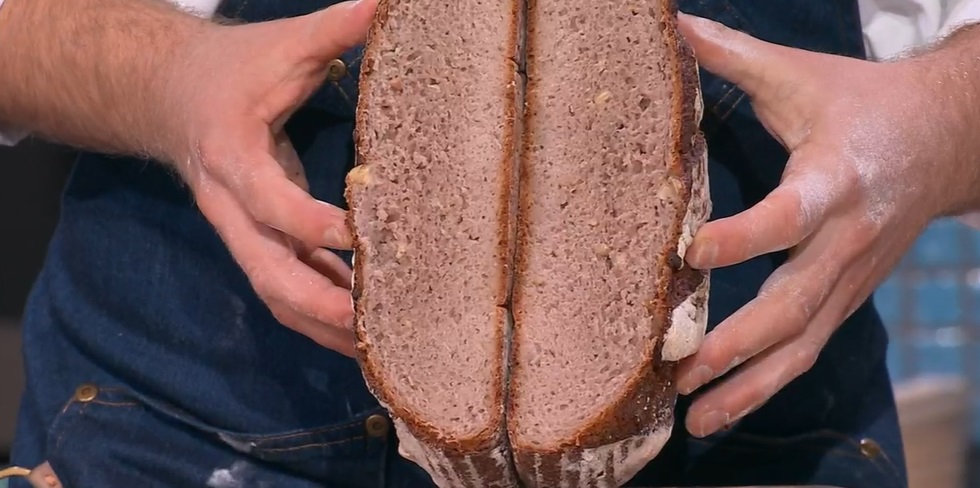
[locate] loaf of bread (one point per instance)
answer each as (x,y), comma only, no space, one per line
(519,283)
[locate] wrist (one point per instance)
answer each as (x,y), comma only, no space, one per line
(172,89)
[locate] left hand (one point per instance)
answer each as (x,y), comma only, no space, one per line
(878,150)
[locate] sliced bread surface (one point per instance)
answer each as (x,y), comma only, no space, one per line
(613,185)
(432,206)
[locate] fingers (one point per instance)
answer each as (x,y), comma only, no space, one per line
(290,288)
(784,308)
(752,64)
(270,190)
(751,387)
(782,220)
(762,377)
(274,200)
(339,28)
(340,340)
(329,265)
(780,81)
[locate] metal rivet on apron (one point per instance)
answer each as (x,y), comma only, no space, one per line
(376,425)
(86,393)
(336,70)
(870,448)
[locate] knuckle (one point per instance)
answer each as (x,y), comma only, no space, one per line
(849,178)
(265,282)
(797,317)
(259,209)
(281,314)
(805,358)
(337,314)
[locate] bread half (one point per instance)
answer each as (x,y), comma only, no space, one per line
(613,186)
(432,208)
(569,208)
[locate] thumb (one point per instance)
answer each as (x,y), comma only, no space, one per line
(759,68)
(319,38)
(339,28)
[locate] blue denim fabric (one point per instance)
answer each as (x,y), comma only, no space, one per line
(196,384)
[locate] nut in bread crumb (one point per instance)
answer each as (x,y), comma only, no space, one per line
(601,250)
(359,175)
(603,97)
(670,189)
(400,249)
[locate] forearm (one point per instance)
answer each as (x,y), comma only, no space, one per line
(96,74)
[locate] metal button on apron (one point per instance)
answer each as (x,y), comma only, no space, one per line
(336,70)
(376,425)
(86,393)
(870,448)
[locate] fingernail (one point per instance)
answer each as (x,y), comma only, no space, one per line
(712,422)
(337,239)
(695,379)
(704,253)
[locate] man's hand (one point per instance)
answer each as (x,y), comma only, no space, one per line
(140,77)
(877,151)
(243,82)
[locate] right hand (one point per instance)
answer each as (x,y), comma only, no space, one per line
(231,98)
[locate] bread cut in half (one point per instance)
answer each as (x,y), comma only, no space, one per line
(519,288)
(432,209)
(613,185)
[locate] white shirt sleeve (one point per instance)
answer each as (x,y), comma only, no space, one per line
(201,8)
(892,27)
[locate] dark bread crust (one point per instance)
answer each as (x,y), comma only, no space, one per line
(646,409)
(448,460)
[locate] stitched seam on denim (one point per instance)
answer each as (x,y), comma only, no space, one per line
(115,404)
(714,108)
(732,107)
(66,427)
(319,430)
(312,445)
(343,93)
(258,439)
(892,469)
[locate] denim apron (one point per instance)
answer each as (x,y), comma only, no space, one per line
(150,361)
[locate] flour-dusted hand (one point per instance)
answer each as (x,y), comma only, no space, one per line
(240,87)
(878,150)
